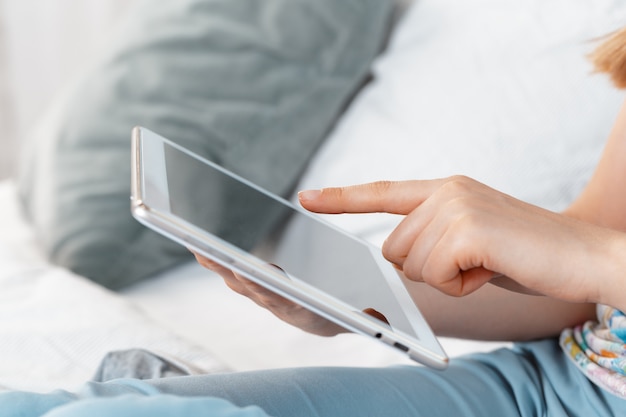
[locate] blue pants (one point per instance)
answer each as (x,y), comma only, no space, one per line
(532,379)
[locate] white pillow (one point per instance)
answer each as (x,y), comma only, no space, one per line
(499,90)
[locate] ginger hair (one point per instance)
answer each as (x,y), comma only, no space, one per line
(610,57)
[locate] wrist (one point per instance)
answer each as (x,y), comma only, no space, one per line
(611,278)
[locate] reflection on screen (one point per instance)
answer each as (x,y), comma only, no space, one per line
(243,216)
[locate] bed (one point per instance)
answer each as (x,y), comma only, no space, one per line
(532,104)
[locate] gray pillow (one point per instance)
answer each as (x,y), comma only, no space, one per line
(254,85)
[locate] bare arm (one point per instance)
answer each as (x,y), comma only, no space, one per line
(603,202)
(494,313)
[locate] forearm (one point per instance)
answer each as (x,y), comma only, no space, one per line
(493,313)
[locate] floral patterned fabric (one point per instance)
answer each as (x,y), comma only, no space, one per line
(599,349)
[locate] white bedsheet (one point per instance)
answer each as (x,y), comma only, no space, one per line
(56,326)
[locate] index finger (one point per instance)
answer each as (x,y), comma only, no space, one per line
(395,197)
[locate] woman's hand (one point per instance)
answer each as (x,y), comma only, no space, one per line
(284,309)
(459,234)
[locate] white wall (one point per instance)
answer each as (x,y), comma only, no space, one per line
(42,45)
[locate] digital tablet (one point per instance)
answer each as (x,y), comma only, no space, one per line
(224,217)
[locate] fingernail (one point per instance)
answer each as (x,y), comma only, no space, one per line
(309,195)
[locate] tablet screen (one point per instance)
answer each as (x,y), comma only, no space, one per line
(334,262)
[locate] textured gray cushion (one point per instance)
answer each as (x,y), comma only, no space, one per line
(254,85)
